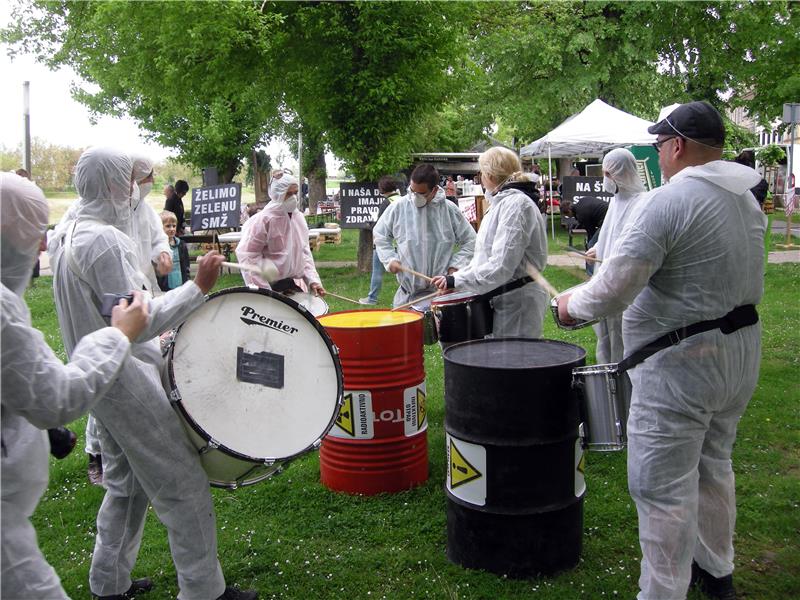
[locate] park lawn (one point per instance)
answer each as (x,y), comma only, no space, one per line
(292,538)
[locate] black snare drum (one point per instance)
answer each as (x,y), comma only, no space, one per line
(461,317)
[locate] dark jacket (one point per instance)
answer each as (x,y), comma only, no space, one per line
(760,191)
(175,204)
(526,187)
(183,254)
(590,212)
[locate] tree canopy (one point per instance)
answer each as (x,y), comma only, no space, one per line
(375,81)
(196,76)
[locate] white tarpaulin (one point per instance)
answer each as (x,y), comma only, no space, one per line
(595,130)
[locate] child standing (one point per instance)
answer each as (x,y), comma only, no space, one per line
(180,255)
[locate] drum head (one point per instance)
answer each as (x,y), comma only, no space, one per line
(314,304)
(454,298)
(256,374)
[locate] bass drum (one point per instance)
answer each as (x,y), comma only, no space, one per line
(256,381)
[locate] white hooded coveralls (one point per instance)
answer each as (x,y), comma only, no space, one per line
(38,392)
(147,233)
(148,230)
(692,252)
(426,240)
(279,236)
(621,165)
(511,234)
(147,456)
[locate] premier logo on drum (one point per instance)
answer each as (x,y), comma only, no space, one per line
(251,317)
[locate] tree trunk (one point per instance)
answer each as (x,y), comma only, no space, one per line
(260,180)
(317,176)
(365,251)
(228,172)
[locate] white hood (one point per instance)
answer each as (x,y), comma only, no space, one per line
(23,221)
(730,176)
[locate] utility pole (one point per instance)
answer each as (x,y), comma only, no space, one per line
(26,115)
(300,165)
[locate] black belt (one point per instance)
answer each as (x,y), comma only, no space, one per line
(741,316)
(507,287)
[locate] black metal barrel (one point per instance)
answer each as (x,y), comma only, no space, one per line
(515,482)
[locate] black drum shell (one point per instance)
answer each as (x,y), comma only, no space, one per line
(514,397)
(471,319)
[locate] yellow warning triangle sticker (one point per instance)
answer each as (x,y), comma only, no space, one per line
(582,465)
(421,410)
(345,417)
(461,471)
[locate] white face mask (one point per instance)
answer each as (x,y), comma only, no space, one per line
(419,199)
(144,189)
(290,204)
(609,185)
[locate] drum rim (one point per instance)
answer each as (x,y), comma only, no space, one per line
(334,350)
(461,299)
(514,339)
(602,369)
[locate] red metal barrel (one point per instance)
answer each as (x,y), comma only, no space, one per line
(379,442)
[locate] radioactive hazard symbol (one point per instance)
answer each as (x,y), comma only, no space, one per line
(461,471)
(421,408)
(345,417)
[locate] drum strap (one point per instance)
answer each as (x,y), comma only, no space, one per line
(741,316)
(507,287)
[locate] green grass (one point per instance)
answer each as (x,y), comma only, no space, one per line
(292,538)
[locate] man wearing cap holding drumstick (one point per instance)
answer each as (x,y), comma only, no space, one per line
(278,237)
(688,271)
(425,233)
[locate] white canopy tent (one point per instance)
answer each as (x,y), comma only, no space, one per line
(592,132)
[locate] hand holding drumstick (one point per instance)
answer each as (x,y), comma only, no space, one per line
(395,266)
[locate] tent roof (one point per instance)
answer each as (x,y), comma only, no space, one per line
(596,129)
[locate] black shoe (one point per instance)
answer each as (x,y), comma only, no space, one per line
(719,588)
(62,441)
(234,593)
(95,470)
(138,586)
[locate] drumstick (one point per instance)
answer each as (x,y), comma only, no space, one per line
(585,257)
(539,278)
(242,267)
(415,273)
(328,293)
(417,300)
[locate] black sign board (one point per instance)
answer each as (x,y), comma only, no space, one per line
(359,204)
(216,206)
(573,188)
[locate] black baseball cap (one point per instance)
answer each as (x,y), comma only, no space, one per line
(693,121)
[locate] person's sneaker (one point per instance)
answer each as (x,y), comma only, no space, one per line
(95,470)
(719,588)
(234,593)
(138,586)
(368,301)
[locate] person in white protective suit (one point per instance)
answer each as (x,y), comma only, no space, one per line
(512,234)
(620,178)
(38,390)
(690,254)
(147,455)
(424,232)
(279,234)
(154,256)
